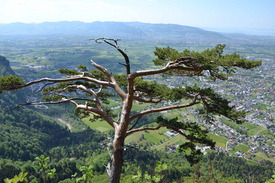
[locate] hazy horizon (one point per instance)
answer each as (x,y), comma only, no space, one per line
(230,30)
(246,16)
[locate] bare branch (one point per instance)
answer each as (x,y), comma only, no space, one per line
(175,65)
(126,58)
(103,70)
(113,83)
(40,89)
(135,123)
(63,100)
(102,113)
(142,129)
(165,109)
(104,83)
(177,130)
(100,89)
(147,100)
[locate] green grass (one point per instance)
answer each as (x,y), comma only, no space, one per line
(178,139)
(267,133)
(261,155)
(151,136)
(261,106)
(98,125)
(229,123)
(240,147)
(139,107)
(220,141)
(191,117)
(174,114)
(136,138)
(253,129)
(154,136)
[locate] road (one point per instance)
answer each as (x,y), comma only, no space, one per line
(227,144)
(64,122)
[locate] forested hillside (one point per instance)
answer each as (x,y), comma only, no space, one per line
(26,134)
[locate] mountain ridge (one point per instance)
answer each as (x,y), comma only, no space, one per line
(111,29)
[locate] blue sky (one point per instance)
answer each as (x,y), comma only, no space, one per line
(216,14)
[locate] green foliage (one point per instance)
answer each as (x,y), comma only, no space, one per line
(22,177)
(213,103)
(87,84)
(121,80)
(151,89)
(10,81)
(98,74)
(69,72)
(145,88)
(271,180)
(51,174)
(192,132)
(43,163)
(82,68)
(220,66)
(164,55)
(87,174)
(159,176)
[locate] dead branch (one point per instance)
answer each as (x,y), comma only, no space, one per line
(115,45)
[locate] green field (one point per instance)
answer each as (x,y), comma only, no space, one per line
(267,133)
(253,129)
(144,137)
(173,114)
(139,107)
(137,138)
(178,139)
(240,147)
(261,155)
(98,125)
(220,141)
(191,117)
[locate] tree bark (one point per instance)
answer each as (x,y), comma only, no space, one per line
(117,160)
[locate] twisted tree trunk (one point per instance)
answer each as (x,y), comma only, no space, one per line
(117,159)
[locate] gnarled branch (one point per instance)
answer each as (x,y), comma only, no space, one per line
(113,83)
(93,80)
(194,102)
(170,66)
(126,58)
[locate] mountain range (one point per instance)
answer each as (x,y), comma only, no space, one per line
(134,30)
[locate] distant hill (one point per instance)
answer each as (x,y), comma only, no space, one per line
(5,68)
(110,29)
